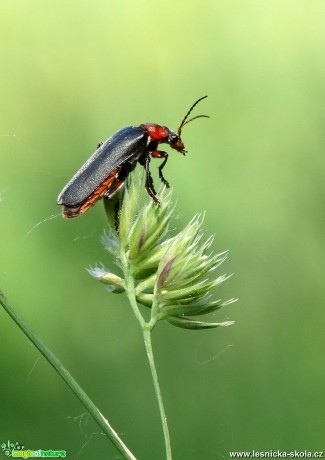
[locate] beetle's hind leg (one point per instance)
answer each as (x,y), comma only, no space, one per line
(120,179)
(112,200)
(114,188)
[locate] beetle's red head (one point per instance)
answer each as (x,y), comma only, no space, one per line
(162,134)
(175,141)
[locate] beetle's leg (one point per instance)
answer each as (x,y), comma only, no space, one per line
(149,182)
(117,215)
(113,206)
(161,154)
(114,188)
(100,143)
(114,200)
(120,179)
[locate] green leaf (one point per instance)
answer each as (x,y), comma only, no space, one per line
(187,323)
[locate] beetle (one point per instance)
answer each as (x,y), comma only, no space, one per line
(105,172)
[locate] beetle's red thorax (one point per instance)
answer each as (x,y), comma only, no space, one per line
(156,132)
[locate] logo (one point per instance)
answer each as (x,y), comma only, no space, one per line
(10,446)
(17,450)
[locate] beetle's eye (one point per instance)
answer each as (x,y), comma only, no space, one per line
(173,138)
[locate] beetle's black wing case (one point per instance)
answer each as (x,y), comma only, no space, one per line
(129,142)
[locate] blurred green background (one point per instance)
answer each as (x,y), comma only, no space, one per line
(73,73)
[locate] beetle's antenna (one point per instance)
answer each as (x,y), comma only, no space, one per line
(185,119)
(194,118)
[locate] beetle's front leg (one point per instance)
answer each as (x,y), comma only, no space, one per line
(161,154)
(149,182)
